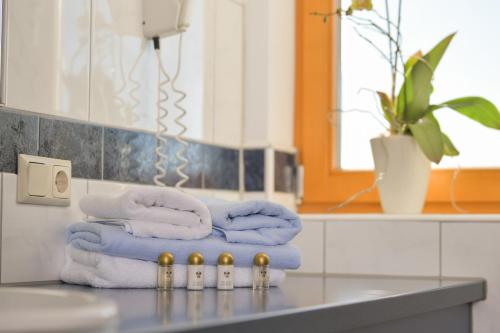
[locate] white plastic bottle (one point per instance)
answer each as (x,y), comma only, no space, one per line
(225,271)
(195,272)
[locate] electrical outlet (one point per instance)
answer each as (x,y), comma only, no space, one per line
(43,181)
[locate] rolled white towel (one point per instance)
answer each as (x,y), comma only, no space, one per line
(151,212)
(102,271)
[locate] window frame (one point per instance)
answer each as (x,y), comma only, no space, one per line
(317,92)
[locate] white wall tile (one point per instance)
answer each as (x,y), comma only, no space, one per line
(226,195)
(285,199)
(254,196)
(33,236)
(472,250)
(1,191)
(124,72)
(269,73)
(116,188)
(281,73)
(311,244)
(229,75)
(386,248)
(47,62)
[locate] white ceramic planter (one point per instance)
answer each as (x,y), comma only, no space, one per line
(406,170)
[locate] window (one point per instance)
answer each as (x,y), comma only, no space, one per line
(470,67)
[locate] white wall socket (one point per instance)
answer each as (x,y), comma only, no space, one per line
(43,181)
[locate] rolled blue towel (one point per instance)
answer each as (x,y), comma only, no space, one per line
(253,222)
(115,241)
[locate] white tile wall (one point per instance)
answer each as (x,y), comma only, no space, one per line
(33,237)
(228,73)
(88,60)
(311,244)
(473,249)
(47,59)
(386,248)
(124,70)
(116,188)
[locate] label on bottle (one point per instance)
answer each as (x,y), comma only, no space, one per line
(225,277)
(260,277)
(195,278)
(165,277)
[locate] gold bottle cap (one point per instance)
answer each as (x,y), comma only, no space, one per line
(225,258)
(196,258)
(261,259)
(166,259)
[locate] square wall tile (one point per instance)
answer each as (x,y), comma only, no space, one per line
(129,156)
(228,77)
(286,199)
(194,169)
(284,172)
(254,169)
(18,135)
(77,142)
(472,250)
(383,248)
(310,242)
(221,168)
(33,236)
(48,57)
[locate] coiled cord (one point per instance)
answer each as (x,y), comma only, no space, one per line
(136,85)
(179,137)
(161,128)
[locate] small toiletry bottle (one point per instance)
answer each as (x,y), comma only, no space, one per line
(195,272)
(261,271)
(165,277)
(225,272)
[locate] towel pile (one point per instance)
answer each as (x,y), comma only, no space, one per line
(117,247)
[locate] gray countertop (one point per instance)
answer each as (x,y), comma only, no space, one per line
(302,303)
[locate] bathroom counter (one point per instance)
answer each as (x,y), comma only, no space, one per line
(304,304)
(401,217)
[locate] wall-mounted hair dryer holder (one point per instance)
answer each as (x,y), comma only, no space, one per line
(163,18)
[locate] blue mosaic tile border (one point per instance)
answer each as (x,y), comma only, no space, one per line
(105,153)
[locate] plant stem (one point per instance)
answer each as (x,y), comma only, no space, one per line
(392,56)
(398,51)
(373,45)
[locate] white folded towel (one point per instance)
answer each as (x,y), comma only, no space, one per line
(102,271)
(151,212)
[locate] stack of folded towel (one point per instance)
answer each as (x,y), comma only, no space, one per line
(120,245)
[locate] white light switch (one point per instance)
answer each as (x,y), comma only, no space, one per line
(39,176)
(43,181)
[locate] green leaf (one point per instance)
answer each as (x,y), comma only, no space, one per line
(412,60)
(388,108)
(427,133)
(448,146)
(476,108)
(434,56)
(414,96)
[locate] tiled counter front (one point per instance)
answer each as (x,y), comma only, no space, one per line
(423,245)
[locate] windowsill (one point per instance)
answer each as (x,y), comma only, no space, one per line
(403,218)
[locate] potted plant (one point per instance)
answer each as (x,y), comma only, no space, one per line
(403,156)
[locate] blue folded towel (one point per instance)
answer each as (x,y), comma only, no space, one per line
(114,241)
(253,222)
